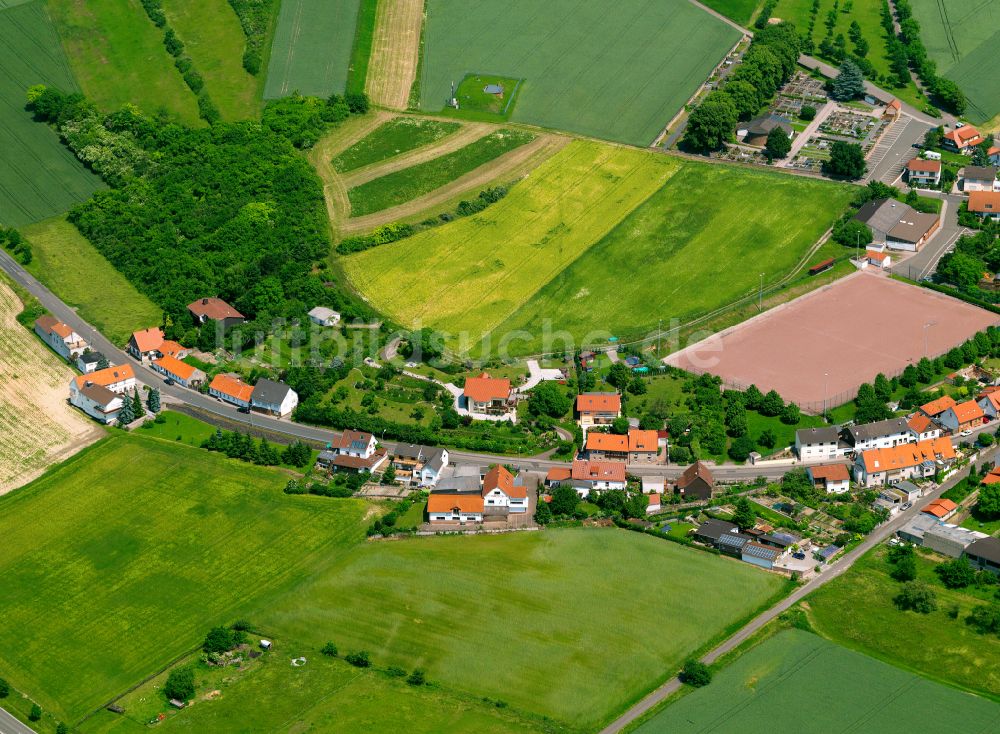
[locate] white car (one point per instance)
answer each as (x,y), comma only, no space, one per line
(965,433)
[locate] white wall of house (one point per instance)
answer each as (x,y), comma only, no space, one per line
(838,486)
(885,442)
(987,405)
(818,451)
(459,516)
(106,414)
(287,405)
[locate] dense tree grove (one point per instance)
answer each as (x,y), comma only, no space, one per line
(12,241)
(846,160)
(254,17)
(766,66)
(973,255)
(229,210)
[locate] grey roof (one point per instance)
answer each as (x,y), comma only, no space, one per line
(98,393)
(734,540)
(761,551)
(766,123)
(91,357)
(826,434)
(327,456)
(786,537)
(458,485)
(828,552)
(985,548)
(409,451)
(913,227)
(918,526)
(908,487)
(884,214)
(269,392)
(981,173)
(868,431)
(714,529)
(435,460)
(954,533)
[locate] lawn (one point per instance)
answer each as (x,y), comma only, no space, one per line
(215,41)
(545,621)
(119,560)
(311,51)
(361,48)
(797,681)
(117,55)
(179,427)
(856,609)
(545,223)
(676,257)
(323,695)
(39,177)
(739,10)
(409,183)
(398,135)
(619,76)
(476,102)
(70,266)
(963,37)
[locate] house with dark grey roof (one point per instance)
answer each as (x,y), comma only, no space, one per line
(732,543)
(881,435)
(897,225)
(756,131)
(272,397)
(984,554)
(88,361)
(711,530)
(820,444)
(419,465)
(980,178)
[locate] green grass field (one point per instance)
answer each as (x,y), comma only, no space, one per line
(214,40)
(963,37)
(361,47)
(545,223)
(618,76)
(600,241)
(70,266)
(739,10)
(39,177)
(856,609)
(797,681)
(119,560)
(523,618)
(311,51)
(117,55)
(476,103)
(401,186)
(323,695)
(398,135)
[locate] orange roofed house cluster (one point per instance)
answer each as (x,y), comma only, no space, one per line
(467,497)
(636,447)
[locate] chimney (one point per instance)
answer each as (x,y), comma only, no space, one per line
(204,301)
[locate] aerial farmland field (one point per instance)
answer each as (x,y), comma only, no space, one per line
(512,249)
(600,239)
(963,37)
(37,426)
(619,76)
(214,40)
(118,561)
(117,55)
(311,51)
(568,613)
(798,681)
(39,177)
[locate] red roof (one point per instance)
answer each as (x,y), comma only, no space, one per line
(599,471)
(642,440)
(937,407)
(963,136)
(466,502)
(232,386)
(559,474)
(485,389)
(599,402)
(940,508)
(968,411)
(984,202)
(924,166)
(214,308)
(148,340)
(175,367)
(499,478)
(830,472)
(920,423)
(597,441)
(108,376)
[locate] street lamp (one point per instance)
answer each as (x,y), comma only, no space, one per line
(826,379)
(760,298)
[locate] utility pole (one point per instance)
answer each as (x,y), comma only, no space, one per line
(826,379)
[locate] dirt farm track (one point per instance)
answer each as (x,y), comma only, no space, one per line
(822,346)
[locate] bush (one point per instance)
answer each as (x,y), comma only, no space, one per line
(219,639)
(807,113)
(956,574)
(4,688)
(180,684)
(696,674)
(916,596)
(329,649)
(36,712)
(394,671)
(359,659)
(416,677)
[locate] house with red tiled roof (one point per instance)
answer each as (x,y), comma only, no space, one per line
(985,204)
(879,258)
(923,427)
(831,478)
(993,154)
(215,309)
(935,408)
(231,389)
(921,172)
(180,372)
(61,338)
(963,417)
(144,345)
(903,462)
(636,447)
(962,138)
(455,508)
(597,408)
(500,490)
(597,476)
(488,395)
(117,378)
(942,508)
(356,451)
(494,495)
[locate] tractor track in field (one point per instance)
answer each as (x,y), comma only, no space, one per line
(512,164)
(467,134)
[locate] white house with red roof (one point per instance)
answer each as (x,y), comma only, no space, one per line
(61,338)
(596,476)
(117,378)
(985,204)
(180,372)
(994,155)
(963,417)
(597,408)
(832,478)
(145,344)
(231,389)
(923,172)
(353,451)
(501,490)
(962,139)
(922,427)
(486,396)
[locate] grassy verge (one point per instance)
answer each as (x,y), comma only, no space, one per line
(361,50)
(410,183)
(395,137)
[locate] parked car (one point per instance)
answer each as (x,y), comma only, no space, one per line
(799,555)
(168,381)
(966,432)
(243,409)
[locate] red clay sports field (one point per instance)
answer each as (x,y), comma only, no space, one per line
(822,346)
